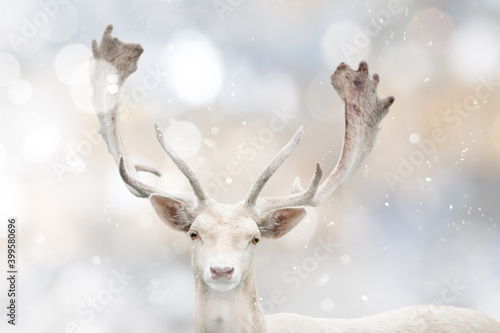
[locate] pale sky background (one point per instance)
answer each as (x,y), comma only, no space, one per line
(230,82)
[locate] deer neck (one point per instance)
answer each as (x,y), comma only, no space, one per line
(237,310)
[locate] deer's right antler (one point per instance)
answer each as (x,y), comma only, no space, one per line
(363,111)
(113,62)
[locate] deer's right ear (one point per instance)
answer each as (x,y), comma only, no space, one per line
(175,213)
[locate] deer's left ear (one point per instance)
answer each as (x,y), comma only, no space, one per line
(280,221)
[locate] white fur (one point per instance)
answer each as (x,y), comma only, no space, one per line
(225,233)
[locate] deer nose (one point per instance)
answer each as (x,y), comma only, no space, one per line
(222,272)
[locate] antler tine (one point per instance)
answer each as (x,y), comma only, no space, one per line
(114,61)
(363,111)
(302,198)
(183,166)
(271,168)
(144,190)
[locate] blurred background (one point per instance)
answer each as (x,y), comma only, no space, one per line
(230,82)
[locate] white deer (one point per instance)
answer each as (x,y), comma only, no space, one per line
(224,236)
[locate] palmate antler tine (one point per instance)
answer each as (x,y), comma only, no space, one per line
(113,63)
(271,168)
(363,111)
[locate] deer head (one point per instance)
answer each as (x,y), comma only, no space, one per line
(224,236)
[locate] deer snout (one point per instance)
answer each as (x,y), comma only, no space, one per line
(221,272)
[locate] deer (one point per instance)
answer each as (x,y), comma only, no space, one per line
(224,236)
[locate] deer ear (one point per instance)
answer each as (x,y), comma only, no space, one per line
(280,221)
(177,214)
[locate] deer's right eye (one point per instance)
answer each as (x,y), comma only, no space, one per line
(193,234)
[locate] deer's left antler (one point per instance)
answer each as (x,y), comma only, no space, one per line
(363,113)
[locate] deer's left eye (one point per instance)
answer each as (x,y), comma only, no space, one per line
(255,240)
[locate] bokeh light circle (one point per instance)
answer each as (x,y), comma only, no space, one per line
(4,157)
(195,66)
(344,41)
(63,24)
(9,69)
(184,137)
(475,50)
(72,64)
(20,92)
(41,143)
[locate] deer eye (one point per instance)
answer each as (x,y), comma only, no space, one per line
(193,234)
(255,240)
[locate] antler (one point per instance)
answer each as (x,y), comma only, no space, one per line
(113,63)
(275,163)
(363,111)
